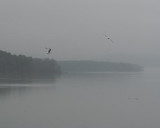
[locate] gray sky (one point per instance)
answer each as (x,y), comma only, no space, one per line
(75,29)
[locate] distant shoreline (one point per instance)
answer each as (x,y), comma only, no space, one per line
(22,67)
(97,66)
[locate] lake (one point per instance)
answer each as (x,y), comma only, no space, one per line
(89,100)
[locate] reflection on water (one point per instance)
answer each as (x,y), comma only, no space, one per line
(9,87)
(25,81)
(110,100)
(10,90)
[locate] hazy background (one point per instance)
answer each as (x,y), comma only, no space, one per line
(75,29)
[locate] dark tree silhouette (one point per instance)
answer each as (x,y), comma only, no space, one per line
(20,66)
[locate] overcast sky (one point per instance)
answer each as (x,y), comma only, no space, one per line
(75,29)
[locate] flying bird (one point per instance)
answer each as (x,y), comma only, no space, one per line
(49,50)
(108,38)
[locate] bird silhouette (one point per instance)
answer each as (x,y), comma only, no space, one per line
(108,38)
(49,50)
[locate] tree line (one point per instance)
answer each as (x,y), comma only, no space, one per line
(20,66)
(98,66)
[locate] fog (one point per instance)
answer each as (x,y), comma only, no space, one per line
(74,30)
(114,100)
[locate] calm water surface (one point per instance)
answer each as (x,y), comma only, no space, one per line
(98,100)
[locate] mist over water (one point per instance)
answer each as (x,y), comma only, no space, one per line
(88,100)
(79,30)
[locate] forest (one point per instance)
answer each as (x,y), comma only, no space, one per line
(98,66)
(20,66)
